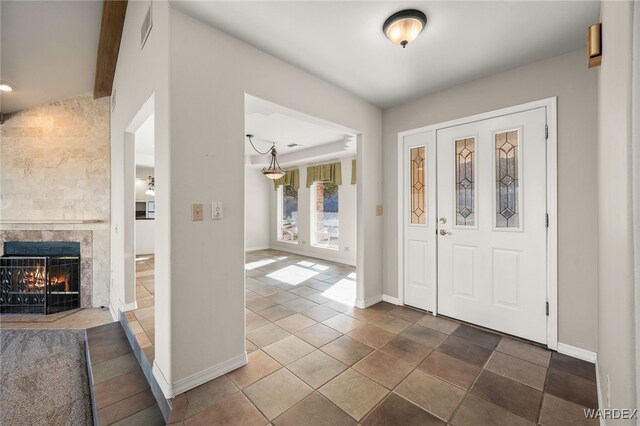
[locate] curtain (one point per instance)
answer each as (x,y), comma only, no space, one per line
(353,172)
(324,173)
(291,178)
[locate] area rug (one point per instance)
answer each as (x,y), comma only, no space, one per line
(43,377)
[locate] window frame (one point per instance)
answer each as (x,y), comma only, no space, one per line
(313,192)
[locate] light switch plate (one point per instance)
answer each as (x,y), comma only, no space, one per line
(379,210)
(196,212)
(216,210)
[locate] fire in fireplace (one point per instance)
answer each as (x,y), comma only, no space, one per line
(39,277)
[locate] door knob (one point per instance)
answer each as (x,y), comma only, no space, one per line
(443,220)
(444,232)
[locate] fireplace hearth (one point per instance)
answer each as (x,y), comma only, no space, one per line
(39,277)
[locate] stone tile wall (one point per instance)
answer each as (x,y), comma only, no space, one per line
(54,166)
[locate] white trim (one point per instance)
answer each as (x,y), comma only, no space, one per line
(128,307)
(390,299)
(362,304)
(266,247)
(113,312)
(601,405)
(314,255)
(550,104)
(576,352)
(195,380)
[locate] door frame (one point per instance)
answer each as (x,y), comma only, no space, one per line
(550,105)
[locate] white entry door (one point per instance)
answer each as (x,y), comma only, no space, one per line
(420,220)
(492,223)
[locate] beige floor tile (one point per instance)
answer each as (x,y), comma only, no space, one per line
(315,410)
(289,349)
(343,323)
(317,368)
(318,335)
(524,351)
(383,368)
(267,335)
(319,313)
(408,314)
(295,323)
(276,313)
(371,335)
(208,394)
(347,350)
(354,393)
(277,392)
(259,365)
(424,336)
(434,395)
(517,369)
(233,411)
(440,324)
(390,323)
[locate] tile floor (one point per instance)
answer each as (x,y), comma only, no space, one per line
(74,319)
(141,320)
(316,359)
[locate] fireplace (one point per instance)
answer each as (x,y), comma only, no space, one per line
(39,277)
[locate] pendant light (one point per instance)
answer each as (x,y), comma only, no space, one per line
(405,26)
(273,170)
(152,187)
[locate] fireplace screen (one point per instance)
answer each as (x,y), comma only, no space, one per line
(45,285)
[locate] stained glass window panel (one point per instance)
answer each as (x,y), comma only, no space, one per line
(418,186)
(507,180)
(465,185)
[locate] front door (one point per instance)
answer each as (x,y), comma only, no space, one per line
(488,262)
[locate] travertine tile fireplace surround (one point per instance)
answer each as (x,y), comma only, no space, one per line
(55,183)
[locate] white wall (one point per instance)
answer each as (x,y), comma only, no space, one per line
(347,217)
(568,78)
(210,74)
(257,209)
(145,236)
(616,346)
(142,75)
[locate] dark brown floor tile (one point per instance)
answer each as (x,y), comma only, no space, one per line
(108,343)
(407,314)
(396,410)
(318,335)
(558,412)
(382,307)
(424,336)
(347,350)
(450,369)
(465,351)
(477,336)
(126,407)
(574,366)
(383,368)
(354,393)
(517,369)
(179,406)
(151,416)
(439,323)
(314,410)
(390,323)
(525,351)
(475,411)
(572,388)
(109,369)
(371,335)
(119,388)
(508,394)
(406,350)
(317,368)
(277,393)
(233,411)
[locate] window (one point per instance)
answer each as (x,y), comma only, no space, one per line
(465,191)
(325,224)
(507,180)
(418,209)
(288,217)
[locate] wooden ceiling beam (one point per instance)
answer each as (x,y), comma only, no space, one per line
(113,13)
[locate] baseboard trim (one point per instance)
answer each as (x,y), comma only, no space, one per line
(129,307)
(257,248)
(390,299)
(197,379)
(576,352)
(601,405)
(314,255)
(362,304)
(113,312)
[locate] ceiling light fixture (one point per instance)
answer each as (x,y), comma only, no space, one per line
(405,26)
(152,187)
(273,171)
(6,87)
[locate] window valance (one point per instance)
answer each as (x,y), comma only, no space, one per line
(324,173)
(291,178)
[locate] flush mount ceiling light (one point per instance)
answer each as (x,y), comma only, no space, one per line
(273,170)
(6,87)
(405,26)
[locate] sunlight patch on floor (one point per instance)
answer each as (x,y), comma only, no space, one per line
(259,263)
(292,274)
(342,291)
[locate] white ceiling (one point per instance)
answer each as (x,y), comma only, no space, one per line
(343,43)
(48,50)
(271,123)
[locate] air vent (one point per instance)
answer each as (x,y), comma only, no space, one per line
(145,30)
